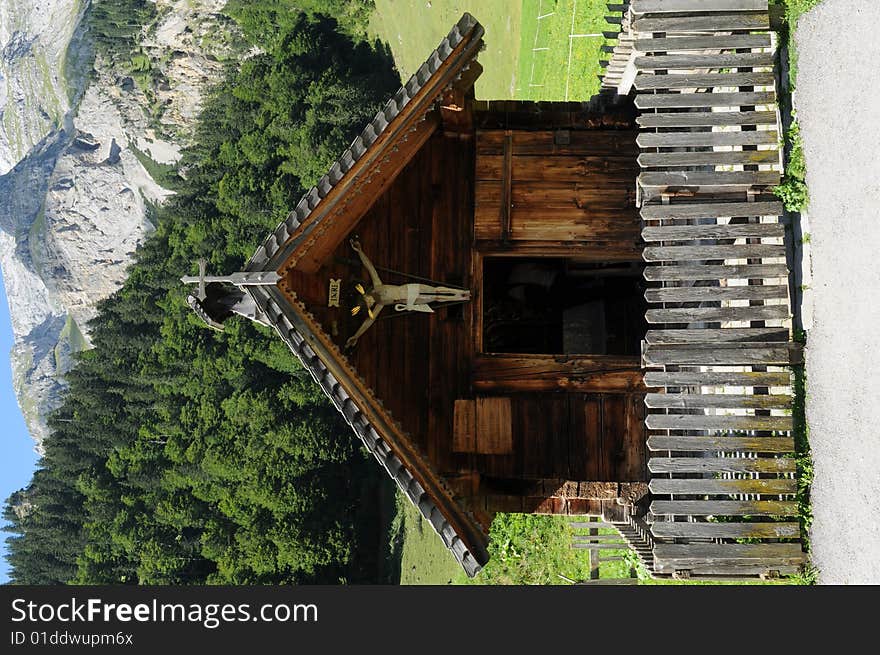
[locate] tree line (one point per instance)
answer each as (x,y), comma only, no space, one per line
(185,456)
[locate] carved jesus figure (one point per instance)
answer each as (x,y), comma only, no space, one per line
(403,297)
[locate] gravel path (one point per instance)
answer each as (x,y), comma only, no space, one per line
(838,106)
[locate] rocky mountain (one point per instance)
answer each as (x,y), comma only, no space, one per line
(82,137)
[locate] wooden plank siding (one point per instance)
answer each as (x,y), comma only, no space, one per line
(575,186)
(494,426)
(720,430)
(464,435)
(566,192)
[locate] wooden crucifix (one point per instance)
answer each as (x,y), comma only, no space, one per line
(414,297)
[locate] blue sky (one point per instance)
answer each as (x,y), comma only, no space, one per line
(17,456)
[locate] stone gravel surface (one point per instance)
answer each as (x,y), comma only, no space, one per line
(838,106)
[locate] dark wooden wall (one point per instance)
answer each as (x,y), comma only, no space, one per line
(574,199)
(571,188)
(565,192)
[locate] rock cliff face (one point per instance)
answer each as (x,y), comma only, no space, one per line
(74,190)
(34,35)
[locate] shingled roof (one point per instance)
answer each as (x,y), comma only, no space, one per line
(468,541)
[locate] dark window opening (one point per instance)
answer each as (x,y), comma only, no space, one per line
(562,306)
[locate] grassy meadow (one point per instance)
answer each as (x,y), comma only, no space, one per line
(534,48)
(526,549)
(424,560)
(560,49)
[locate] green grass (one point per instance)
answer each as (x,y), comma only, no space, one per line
(165,175)
(568,69)
(526,550)
(793,191)
(795,196)
(412,28)
(71,335)
(424,560)
(803,456)
(794,9)
(532,549)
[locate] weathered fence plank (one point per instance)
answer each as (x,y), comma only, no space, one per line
(729,272)
(711,158)
(717,22)
(720,465)
(726,354)
(705,486)
(711,210)
(709,253)
(683,529)
(640,7)
(724,507)
(683,44)
(707,119)
(706,139)
(719,400)
(708,178)
(714,336)
(705,558)
(694,100)
(717,314)
(713,252)
(722,444)
(655,379)
(706,422)
(649,82)
(702,62)
(730,231)
(708,294)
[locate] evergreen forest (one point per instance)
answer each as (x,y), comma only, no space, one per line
(186,456)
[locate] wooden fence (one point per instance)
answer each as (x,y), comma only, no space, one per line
(719,351)
(606,546)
